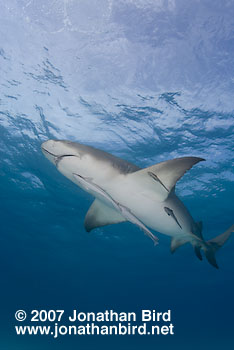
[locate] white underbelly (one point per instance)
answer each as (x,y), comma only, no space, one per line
(146,207)
(143,203)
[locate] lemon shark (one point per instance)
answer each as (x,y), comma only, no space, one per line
(124,192)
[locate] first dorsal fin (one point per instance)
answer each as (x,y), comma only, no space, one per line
(100,214)
(164,175)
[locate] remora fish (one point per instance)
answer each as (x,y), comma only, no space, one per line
(125,192)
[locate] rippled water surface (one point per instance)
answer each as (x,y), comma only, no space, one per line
(146,80)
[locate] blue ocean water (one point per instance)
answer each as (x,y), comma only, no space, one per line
(147,81)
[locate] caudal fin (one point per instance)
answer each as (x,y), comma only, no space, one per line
(214,244)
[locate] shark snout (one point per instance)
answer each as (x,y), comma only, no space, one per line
(49,146)
(55,150)
(51,150)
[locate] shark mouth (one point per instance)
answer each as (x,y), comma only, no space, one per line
(58,158)
(45,150)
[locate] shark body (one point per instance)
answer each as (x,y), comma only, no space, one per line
(124,211)
(125,192)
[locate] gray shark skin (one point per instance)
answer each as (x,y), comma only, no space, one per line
(125,192)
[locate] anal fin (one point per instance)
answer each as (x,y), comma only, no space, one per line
(100,214)
(176,243)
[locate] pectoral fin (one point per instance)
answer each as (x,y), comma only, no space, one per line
(100,214)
